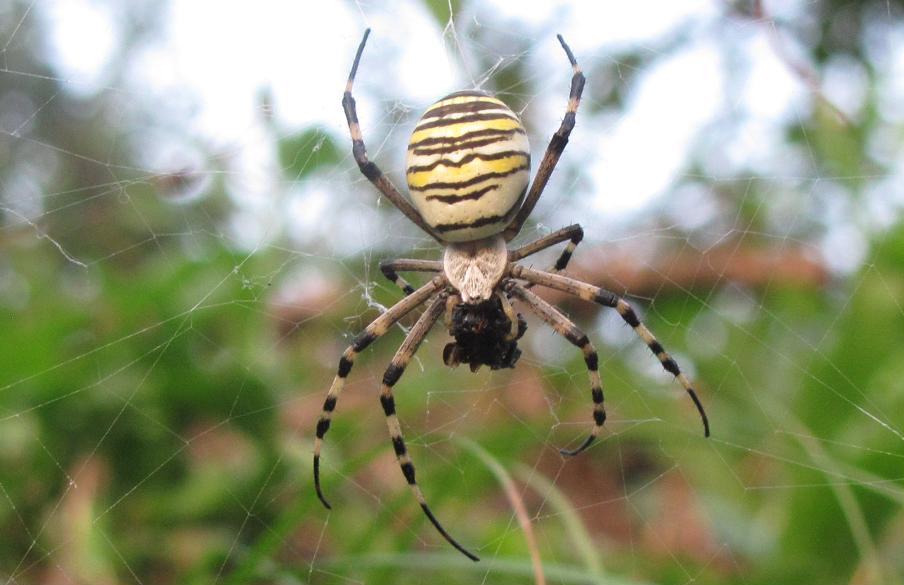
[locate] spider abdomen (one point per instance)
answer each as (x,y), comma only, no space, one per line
(468,166)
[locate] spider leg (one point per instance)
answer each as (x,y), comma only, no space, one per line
(453,301)
(510,314)
(371,333)
(595,294)
(390,377)
(573,232)
(564,327)
(391,269)
(359,151)
(553,151)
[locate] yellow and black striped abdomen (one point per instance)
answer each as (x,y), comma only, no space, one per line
(468,166)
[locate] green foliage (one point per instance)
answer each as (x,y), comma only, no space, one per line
(310,150)
(158,394)
(440,9)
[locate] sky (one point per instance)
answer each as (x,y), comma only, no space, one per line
(198,84)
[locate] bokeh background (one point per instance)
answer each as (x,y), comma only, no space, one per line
(186,248)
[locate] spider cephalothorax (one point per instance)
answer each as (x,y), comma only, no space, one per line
(468,174)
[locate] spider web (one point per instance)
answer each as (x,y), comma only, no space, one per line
(188,247)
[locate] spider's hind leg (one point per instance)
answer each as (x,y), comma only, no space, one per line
(367,167)
(556,146)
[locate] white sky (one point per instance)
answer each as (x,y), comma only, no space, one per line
(207,69)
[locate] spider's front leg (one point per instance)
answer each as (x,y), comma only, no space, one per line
(371,333)
(387,400)
(564,327)
(595,294)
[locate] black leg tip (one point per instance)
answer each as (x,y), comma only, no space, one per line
(354,71)
(444,534)
(574,62)
(573,452)
(317,483)
(463,550)
(701,411)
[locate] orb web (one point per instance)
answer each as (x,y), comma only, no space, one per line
(188,247)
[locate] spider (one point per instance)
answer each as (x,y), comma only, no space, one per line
(468,172)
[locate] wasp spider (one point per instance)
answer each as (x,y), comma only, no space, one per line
(468,175)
